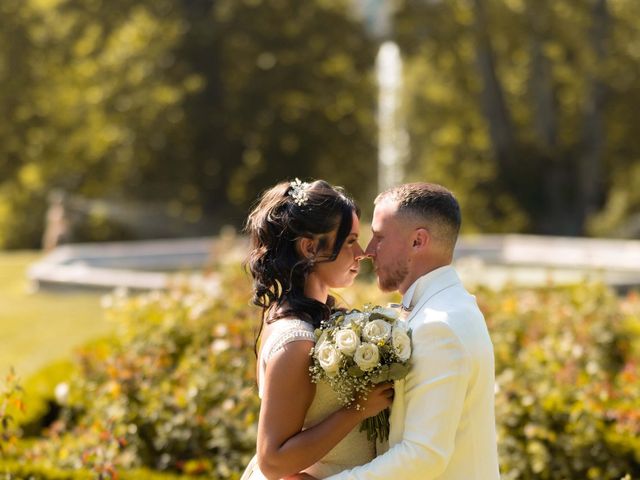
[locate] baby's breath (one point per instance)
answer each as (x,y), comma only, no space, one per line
(351,376)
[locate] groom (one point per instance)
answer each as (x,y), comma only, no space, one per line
(442,418)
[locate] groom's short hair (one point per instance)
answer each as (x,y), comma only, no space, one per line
(430,203)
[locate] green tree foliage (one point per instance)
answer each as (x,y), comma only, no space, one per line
(298,99)
(197,104)
(89,106)
(525,108)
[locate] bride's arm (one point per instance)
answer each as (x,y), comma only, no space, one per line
(283,447)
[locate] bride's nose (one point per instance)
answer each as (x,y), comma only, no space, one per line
(358,253)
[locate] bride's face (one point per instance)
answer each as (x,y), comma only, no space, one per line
(344,269)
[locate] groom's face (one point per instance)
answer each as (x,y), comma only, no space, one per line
(389,247)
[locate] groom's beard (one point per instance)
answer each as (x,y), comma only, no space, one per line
(390,279)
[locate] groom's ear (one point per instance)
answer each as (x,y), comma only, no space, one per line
(421,238)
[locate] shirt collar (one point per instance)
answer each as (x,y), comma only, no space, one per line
(417,288)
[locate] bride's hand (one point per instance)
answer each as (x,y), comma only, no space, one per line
(377,399)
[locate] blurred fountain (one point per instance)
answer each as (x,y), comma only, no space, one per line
(393,144)
(393,141)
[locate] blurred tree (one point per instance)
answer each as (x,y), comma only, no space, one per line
(91,105)
(293,100)
(524,108)
(527,109)
(196,104)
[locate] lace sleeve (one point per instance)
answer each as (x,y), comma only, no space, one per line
(295,330)
(286,331)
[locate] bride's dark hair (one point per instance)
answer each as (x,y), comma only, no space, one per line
(277,268)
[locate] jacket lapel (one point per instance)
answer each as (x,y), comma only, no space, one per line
(430,285)
(427,287)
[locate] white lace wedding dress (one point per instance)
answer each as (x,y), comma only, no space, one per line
(354,449)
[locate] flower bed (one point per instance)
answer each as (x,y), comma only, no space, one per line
(175,390)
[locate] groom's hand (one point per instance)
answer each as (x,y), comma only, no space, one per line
(300,476)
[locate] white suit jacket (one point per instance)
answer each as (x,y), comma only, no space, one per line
(442,417)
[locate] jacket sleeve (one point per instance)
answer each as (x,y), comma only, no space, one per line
(434,397)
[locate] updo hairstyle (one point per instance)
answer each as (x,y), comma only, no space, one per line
(277,268)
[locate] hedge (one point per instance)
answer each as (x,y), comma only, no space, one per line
(175,390)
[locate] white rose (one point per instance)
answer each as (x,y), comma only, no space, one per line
(392,313)
(329,357)
(401,343)
(376,331)
(347,341)
(354,317)
(324,336)
(367,356)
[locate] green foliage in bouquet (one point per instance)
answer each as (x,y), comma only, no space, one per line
(357,349)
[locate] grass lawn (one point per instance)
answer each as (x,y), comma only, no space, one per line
(36,328)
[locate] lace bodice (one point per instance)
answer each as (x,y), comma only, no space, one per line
(283,332)
(354,449)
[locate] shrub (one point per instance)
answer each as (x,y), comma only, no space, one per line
(20,470)
(11,404)
(40,396)
(175,391)
(567,374)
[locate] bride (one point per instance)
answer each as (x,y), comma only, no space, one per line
(304,242)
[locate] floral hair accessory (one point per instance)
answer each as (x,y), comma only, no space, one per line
(299,191)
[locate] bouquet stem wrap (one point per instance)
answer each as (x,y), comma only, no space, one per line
(377,427)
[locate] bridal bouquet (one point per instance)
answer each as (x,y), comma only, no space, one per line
(357,349)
